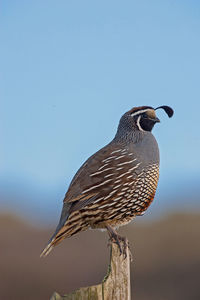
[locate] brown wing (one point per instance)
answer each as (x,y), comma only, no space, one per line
(111,183)
(98,174)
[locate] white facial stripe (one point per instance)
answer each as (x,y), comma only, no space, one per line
(140,112)
(138,123)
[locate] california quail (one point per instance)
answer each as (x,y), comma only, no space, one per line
(115,184)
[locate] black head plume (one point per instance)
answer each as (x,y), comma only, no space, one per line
(169,111)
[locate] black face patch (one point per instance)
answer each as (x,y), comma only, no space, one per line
(146,123)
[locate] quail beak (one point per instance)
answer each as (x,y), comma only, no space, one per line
(156,120)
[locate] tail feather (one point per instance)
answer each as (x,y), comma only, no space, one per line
(46,250)
(65,231)
(54,240)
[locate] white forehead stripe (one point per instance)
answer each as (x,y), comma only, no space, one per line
(140,112)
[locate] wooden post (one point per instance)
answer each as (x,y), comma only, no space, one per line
(115,285)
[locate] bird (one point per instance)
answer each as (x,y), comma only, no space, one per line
(115,184)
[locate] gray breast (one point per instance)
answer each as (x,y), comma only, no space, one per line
(146,150)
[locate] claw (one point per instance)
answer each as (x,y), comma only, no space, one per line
(120,241)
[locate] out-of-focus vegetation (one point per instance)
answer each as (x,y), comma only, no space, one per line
(166,261)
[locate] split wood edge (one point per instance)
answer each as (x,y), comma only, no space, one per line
(115,285)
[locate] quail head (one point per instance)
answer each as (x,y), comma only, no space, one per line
(115,184)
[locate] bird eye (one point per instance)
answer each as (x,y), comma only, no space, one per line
(145,116)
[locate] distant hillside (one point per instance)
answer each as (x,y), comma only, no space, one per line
(43,203)
(166,262)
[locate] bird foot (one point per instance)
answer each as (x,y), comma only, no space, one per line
(122,243)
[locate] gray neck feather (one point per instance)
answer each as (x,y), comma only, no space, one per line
(127,131)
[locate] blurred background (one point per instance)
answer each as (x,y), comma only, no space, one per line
(69,70)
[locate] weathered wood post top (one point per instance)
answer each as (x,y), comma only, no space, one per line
(115,285)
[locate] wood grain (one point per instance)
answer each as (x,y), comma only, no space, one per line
(115,285)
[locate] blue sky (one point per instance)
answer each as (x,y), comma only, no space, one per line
(70,69)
